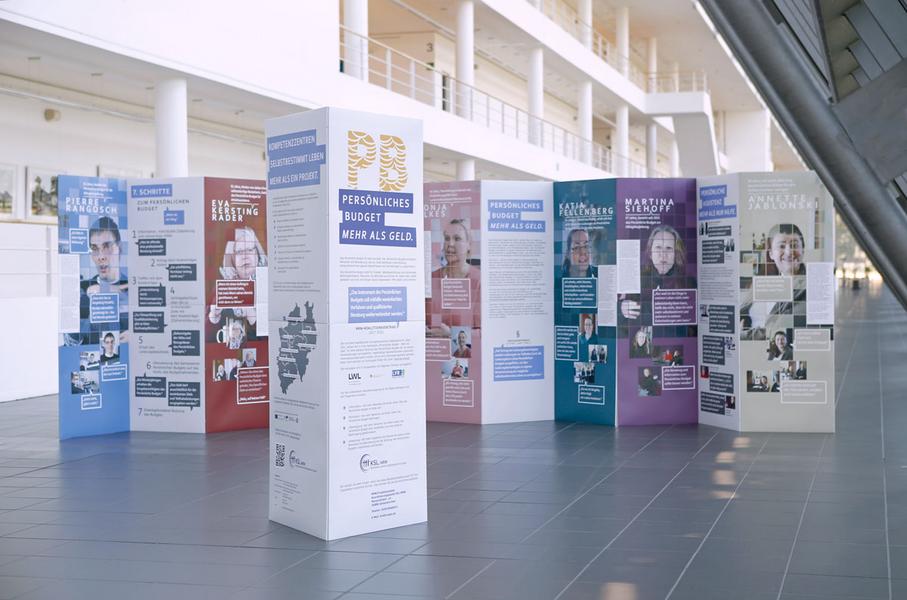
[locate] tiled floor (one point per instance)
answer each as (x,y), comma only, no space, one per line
(539,510)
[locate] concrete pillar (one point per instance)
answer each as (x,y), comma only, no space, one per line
(675,159)
(536,95)
(584,12)
(620,143)
(465,65)
(355,39)
(171,128)
(652,66)
(675,76)
(584,119)
(622,35)
(652,150)
(748,140)
(466,169)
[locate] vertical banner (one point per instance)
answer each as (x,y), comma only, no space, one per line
(236,320)
(94,306)
(347,322)
(719,272)
(586,282)
(517,302)
(453,307)
(656,301)
(777,232)
(167,218)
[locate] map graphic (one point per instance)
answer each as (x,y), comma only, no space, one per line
(297,339)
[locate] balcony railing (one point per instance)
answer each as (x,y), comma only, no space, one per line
(633,67)
(381,65)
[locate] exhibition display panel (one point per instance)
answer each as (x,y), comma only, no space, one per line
(199,305)
(488,290)
(347,322)
(767,302)
(94,306)
(625,301)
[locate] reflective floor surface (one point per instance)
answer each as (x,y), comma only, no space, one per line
(525,511)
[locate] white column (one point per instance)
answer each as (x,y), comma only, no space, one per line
(171,128)
(584,118)
(536,85)
(465,64)
(355,39)
(747,140)
(621,141)
(466,169)
(536,95)
(652,150)
(652,67)
(675,75)
(622,36)
(584,12)
(675,159)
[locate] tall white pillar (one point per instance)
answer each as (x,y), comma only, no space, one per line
(355,38)
(584,119)
(652,150)
(536,95)
(675,159)
(584,13)
(675,76)
(621,141)
(652,66)
(466,169)
(622,36)
(171,128)
(747,136)
(465,65)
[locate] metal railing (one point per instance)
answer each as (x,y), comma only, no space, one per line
(633,67)
(381,65)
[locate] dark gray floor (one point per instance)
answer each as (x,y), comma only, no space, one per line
(526,511)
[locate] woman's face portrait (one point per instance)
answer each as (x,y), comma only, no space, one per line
(663,248)
(245,253)
(641,337)
(786,252)
(587,327)
(220,370)
(456,244)
(764,381)
(646,372)
(579,250)
(780,341)
(461,340)
(235,331)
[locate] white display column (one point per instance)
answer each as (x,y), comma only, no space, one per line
(355,38)
(652,128)
(347,322)
(466,169)
(171,128)
(465,58)
(584,13)
(584,117)
(536,89)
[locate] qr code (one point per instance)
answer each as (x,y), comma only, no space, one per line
(280,456)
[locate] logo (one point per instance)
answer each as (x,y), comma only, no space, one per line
(295,462)
(367,461)
(354,377)
(397,373)
(390,152)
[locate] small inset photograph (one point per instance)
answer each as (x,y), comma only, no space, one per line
(461,342)
(89,360)
(649,381)
(641,342)
(232,334)
(780,345)
(763,381)
(84,382)
(703,372)
(795,370)
(668,355)
(703,311)
(583,372)
(598,353)
(730,402)
(110,347)
(455,368)
(729,245)
(248,357)
(219,370)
